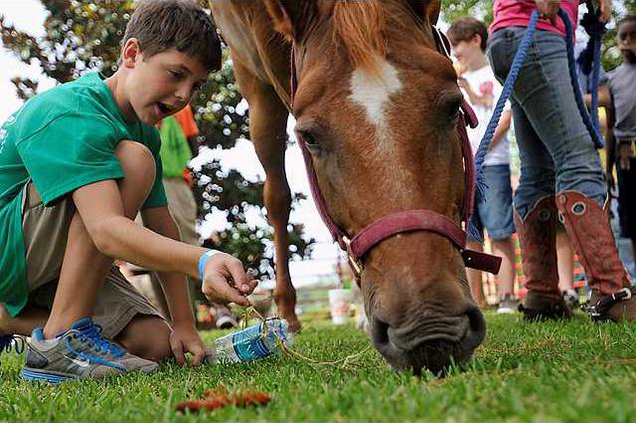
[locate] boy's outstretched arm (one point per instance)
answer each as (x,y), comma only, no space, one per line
(100,207)
(184,337)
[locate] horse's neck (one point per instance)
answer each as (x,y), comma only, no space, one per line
(248,30)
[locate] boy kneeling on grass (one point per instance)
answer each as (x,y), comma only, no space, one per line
(77,163)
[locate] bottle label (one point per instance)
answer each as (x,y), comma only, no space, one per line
(249,344)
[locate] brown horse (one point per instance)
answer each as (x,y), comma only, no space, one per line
(377,105)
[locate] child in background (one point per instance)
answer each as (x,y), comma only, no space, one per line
(468,37)
(620,100)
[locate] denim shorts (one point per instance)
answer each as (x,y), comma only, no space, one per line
(494,212)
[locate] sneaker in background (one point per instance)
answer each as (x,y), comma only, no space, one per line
(571,298)
(508,304)
(226,321)
(80,352)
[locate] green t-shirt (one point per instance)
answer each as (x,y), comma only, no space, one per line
(61,140)
(175,150)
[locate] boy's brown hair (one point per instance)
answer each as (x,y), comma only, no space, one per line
(465,29)
(626,19)
(160,25)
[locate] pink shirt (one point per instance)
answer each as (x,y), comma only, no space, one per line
(517,13)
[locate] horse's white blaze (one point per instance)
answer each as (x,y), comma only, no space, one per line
(373,92)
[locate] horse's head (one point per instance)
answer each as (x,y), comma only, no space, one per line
(378,106)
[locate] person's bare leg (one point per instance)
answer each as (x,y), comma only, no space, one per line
(84,268)
(30,317)
(505,249)
(134,338)
(565,259)
(475,278)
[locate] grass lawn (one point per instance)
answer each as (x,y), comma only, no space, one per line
(573,371)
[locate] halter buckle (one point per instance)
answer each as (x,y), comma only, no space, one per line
(356,265)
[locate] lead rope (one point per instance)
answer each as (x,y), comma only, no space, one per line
(592,125)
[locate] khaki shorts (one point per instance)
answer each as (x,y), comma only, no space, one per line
(183,208)
(45,234)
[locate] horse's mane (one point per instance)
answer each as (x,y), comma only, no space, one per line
(362,26)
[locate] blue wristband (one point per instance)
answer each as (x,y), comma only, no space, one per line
(203,260)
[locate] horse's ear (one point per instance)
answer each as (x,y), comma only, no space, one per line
(426,9)
(293,17)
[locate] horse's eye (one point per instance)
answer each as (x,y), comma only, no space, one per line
(453,112)
(448,107)
(308,137)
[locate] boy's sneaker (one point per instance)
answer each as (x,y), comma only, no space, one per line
(508,304)
(79,352)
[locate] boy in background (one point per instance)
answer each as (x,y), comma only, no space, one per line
(468,37)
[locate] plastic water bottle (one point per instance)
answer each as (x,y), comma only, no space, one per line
(253,342)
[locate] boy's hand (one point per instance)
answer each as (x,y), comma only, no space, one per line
(186,339)
(225,280)
(548,9)
(461,81)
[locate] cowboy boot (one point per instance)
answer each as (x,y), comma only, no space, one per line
(588,226)
(537,235)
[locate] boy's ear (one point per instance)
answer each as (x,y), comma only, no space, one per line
(477,39)
(428,9)
(292,18)
(129,53)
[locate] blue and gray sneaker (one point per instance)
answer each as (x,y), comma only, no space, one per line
(79,352)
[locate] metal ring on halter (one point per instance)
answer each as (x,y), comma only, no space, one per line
(356,265)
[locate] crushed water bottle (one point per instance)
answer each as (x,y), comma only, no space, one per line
(253,342)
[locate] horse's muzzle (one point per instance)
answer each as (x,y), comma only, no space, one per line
(432,342)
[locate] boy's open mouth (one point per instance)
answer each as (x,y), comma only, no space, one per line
(164,108)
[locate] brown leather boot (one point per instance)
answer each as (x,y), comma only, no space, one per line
(588,227)
(537,235)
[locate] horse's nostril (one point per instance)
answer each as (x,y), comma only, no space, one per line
(380,331)
(477,332)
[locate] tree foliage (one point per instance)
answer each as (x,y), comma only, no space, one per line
(83,36)
(455,9)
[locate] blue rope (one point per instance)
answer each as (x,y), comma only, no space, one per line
(509,84)
(592,124)
(592,127)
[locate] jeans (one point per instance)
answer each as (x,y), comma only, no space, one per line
(494,213)
(556,150)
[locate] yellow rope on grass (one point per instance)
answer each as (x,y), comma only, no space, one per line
(346,361)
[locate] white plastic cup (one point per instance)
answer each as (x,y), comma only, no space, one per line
(340,305)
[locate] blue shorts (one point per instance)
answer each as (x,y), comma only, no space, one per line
(494,213)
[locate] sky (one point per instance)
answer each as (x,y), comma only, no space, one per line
(29,16)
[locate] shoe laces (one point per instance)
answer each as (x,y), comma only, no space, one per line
(10,342)
(93,335)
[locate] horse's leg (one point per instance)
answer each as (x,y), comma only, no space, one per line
(268,123)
